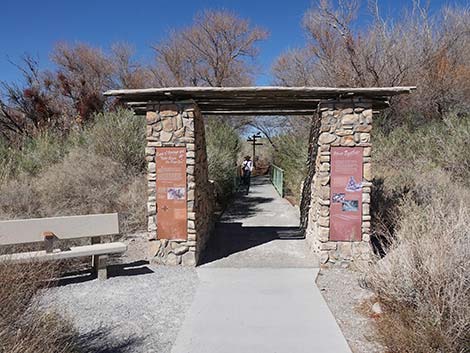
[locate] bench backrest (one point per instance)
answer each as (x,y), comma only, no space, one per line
(22,231)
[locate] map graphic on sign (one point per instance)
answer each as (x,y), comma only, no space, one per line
(176,193)
(353,186)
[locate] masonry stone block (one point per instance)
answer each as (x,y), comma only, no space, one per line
(349,125)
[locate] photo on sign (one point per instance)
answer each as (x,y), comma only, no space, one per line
(176,193)
(353,186)
(350,205)
(338,197)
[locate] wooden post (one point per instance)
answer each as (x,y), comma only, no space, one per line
(48,241)
(252,139)
(100,263)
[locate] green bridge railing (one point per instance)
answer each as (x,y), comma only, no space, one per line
(277,178)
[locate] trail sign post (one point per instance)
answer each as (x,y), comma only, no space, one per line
(253,139)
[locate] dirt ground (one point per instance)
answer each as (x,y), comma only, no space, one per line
(345,297)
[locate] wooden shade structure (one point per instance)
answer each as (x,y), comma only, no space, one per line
(257,100)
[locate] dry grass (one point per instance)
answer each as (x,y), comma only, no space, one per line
(24,326)
(423,282)
(97,170)
(80,184)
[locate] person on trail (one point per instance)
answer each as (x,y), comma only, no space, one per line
(247,168)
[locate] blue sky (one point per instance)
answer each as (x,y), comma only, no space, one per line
(32,26)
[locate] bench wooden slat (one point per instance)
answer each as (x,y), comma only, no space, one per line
(24,231)
(77,251)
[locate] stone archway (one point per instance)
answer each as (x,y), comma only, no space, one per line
(336,222)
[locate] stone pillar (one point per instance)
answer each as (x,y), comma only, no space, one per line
(343,124)
(180,124)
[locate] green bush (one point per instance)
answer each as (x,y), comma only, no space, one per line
(441,144)
(34,155)
(94,170)
(291,156)
(119,136)
(223,146)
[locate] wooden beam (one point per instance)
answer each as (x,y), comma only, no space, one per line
(168,92)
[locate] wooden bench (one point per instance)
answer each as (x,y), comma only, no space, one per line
(47,230)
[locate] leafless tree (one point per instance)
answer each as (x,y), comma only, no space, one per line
(26,110)
(82,74)
(217,50)
(128,72)
(431,52)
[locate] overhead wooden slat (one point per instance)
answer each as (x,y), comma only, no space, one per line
(266,100)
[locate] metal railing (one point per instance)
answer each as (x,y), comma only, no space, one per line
(277,179)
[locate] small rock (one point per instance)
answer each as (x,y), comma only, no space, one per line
(152,117)
(165,136)
(350,119)
(180,250)
(326,138)
(188,259)
(172,259)
(376,308)
(347,141)
(154,248)
(367,171)
(324,257)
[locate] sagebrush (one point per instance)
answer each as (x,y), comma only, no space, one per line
(421,220)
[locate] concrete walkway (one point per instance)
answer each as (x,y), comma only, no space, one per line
(260,229)
(257,291)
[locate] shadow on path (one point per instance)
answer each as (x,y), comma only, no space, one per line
(260,229)
(231,238)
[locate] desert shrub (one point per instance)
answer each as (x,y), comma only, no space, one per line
(421,213)
(132,204)
(81,183)
(34,155)
(402,157)
(94,170)
(291,156)
(423,283)
(7,162)
(24,326)
(442,144)
(41,152)
(223,146)
(19,198)
(119,136)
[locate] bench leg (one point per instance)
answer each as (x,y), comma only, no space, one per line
(99,263)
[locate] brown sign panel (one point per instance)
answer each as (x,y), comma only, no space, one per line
(346,194)
(171,193)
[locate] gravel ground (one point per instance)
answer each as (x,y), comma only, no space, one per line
(141,307)
(128,313)
(341,290)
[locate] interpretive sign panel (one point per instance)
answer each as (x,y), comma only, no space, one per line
(346,194)
(171,193)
